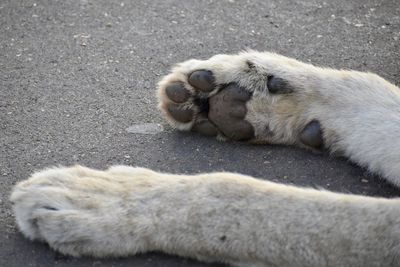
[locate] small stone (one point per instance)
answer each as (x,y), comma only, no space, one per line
(364,180)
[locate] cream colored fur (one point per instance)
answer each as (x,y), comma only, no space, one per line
(230,217)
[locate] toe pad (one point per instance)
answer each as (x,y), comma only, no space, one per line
(180,114)
(202,80)
(177,92)
(278,86)
(312,135)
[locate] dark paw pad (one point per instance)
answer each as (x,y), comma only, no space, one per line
(227,110)
(180,114)
(202,80)
(278,85)
(311,135)
(177,92)
(206,128)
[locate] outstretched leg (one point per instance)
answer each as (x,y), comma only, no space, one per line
(212,217)
(268,98)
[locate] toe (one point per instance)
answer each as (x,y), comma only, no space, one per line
(180,114)
(177,92)
(202,80)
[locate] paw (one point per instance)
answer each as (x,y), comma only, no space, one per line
(80,211)
(52,206)
(252,97)
(197,102)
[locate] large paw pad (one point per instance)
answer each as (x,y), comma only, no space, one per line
(228,110)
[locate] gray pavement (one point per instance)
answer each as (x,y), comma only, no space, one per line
(74,75)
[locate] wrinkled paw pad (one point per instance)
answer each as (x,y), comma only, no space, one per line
(228,110)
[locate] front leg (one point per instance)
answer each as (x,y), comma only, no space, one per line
(268,98)
(221,217)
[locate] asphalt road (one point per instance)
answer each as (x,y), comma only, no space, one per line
(74,75)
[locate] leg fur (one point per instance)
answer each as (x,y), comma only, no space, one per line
(213,217)
(359,113)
